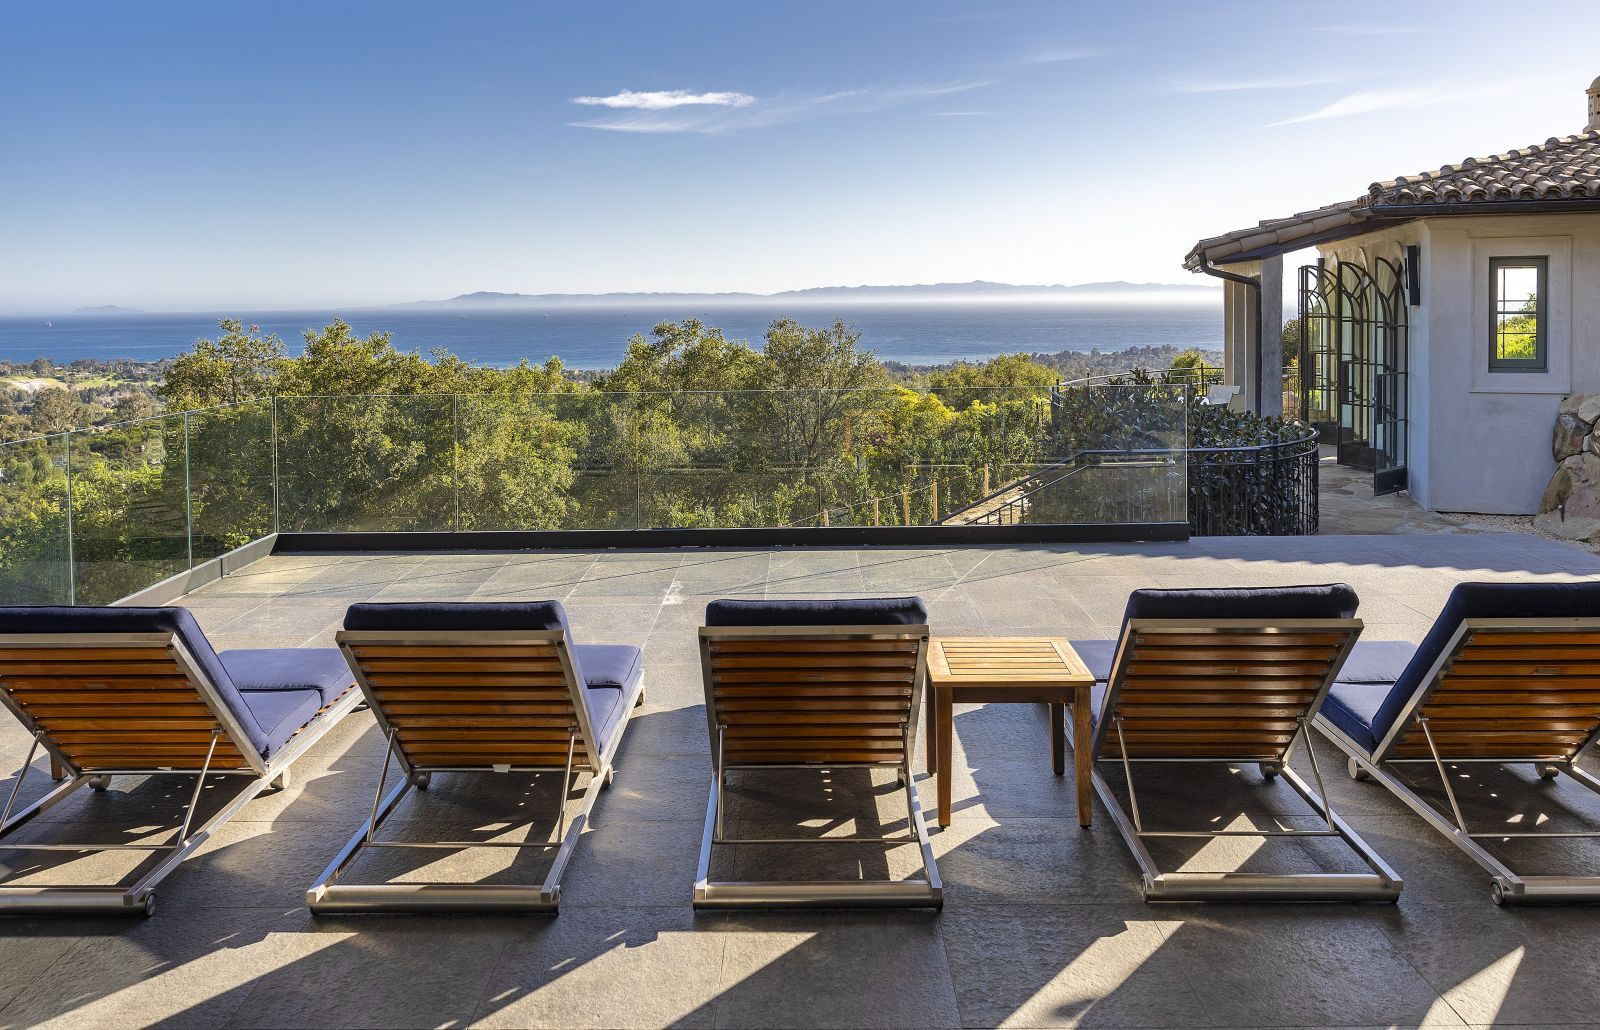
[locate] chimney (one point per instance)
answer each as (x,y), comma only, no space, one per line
(1594,106)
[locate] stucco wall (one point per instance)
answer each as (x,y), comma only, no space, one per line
(1480,441)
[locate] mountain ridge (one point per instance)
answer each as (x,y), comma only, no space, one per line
(977,289)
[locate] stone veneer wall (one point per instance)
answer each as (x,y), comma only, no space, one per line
(1570,507)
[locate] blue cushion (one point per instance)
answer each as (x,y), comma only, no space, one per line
(860,611)
(177,621)
(1097,655)
(609,673)
(467,615)
(1377,661)
(1355,708)
(280,713)
(322,669)
(444,615)
(1325,601)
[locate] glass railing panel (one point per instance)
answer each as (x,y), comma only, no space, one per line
(130,513)
(35,551)
(230,476)
(609,447)
(366,464)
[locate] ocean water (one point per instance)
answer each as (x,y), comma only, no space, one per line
(919,333)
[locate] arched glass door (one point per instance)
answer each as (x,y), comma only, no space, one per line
(1353,364)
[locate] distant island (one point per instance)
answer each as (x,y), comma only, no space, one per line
(107,309)
(976,290)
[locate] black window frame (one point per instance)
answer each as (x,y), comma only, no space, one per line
(1540,362)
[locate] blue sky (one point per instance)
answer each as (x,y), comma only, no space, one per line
(221,155)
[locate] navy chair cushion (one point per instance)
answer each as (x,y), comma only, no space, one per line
(609,674)
(322,669)
(859,611)
(280,713)
(177,621)
(1326,601)
(467,615)
(1377,661)
(1354,709)
(1097,655)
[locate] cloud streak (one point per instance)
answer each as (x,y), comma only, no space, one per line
(767,112)
(1261,84)
(665,100)
(1369,101)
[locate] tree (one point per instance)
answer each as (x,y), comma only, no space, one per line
(55,410)
(239,365)
(1007,377)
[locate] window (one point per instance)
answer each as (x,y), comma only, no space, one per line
(1517,336)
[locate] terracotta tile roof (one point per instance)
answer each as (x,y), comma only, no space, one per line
(1564,169)
(1559,169)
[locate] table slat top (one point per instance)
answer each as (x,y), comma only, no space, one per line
(1001,661)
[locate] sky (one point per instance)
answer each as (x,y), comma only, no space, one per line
(218,155)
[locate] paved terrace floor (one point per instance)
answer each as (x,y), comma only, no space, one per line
(1042,925)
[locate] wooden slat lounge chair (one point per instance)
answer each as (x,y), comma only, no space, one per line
(481,688)
(1509,673)
(822,685)
(137,692)
(1231,677)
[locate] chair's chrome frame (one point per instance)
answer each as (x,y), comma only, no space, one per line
(779,894)
(1381,884)
(1506,886)
(139,897)
(330,894)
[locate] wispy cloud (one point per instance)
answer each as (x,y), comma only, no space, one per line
(666,99)
(959,114)
(1369,101)
(1062,56)
(766,112)
(1263,83)
(1377,28)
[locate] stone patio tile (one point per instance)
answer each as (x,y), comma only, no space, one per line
(836,969)
(1069,965)
(608,967)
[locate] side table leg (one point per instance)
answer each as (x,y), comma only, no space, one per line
(946,723)
(930,728)
(1058,739)
(1083,755)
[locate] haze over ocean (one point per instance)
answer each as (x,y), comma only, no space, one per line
(593,337)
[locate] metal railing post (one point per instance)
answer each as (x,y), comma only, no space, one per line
(455,454)
(277,487)
(72,561)
(188,493)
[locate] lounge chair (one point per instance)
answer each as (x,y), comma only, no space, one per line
(480,688)
(112,692)
(1509,673)
(1232,677)
(814,684)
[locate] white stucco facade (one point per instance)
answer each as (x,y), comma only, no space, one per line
(1479,440)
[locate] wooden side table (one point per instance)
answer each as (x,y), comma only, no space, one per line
(1010,669)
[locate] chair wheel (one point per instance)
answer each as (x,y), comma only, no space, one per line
(150,904)
(611,774)
(99,782)
(1357,773)
(420,780)
(638,702)
(1269,770)
(280,781)
(1547,770)
(1497,893)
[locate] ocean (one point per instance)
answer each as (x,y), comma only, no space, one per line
(917,333)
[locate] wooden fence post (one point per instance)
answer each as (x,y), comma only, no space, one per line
(986,480)
(874,511)
(934,501)
(824,518)
(905,503)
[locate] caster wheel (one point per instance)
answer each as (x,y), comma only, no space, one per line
(99,782)
(1357,773)
(1547,770)
(150,904)
(611,774)
(420,780)
(1497,893)
(1269,770)
(638,702)
(280,781)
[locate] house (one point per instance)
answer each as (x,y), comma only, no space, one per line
(1447,315)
